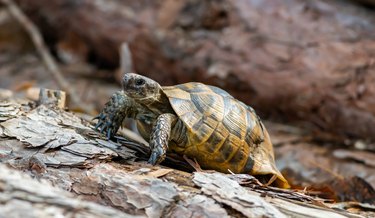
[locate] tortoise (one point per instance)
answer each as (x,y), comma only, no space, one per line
(200,121)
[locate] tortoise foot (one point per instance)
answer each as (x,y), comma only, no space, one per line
(111,117)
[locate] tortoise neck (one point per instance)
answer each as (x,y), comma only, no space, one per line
(159,104)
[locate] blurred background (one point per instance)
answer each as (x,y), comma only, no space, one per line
(306,66)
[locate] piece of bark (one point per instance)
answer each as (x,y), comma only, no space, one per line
(9,110)
(140,195)
(45,128)
(250,204)
(50,97)
(292,60)
(229,192)
(353,189)
(22,196)
(306,164)
(360,156)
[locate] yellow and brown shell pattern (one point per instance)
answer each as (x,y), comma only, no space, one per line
(222,132)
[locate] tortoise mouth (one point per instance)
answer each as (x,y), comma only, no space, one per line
(135,93)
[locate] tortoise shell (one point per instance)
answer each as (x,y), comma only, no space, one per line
(222,133)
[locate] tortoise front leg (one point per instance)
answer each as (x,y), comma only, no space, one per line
(115,111)
(160,136)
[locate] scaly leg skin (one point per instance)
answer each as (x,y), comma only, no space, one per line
(160,136)
(115,111)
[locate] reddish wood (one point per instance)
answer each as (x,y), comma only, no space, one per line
(294,60)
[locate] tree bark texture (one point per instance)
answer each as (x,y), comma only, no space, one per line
(54,163)
(309,61)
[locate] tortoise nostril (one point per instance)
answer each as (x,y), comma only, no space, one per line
(125,79)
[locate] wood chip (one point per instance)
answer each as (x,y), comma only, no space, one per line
(139,195)
(9,110)
(229,192)
(361,156)
(50,97)
(159,173)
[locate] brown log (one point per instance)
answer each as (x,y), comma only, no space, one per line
(294,60)
(58,149)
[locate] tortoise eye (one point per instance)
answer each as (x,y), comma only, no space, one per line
(139,82)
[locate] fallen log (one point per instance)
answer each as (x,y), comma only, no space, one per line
(55,147)
(292,60)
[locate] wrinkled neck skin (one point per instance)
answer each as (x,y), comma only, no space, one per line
(156,104)
(149,100)
(159,104)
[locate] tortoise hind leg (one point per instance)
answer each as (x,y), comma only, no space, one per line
(160,136)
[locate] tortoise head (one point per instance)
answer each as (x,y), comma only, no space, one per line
(142,89)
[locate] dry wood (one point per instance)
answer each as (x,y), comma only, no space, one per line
(293,60)
(52,98)
(229,192)
(22,196)
(54,145)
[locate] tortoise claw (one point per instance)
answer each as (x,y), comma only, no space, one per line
(107,123)
(101,116)
(103,128)
(98,125)
(157,156)
(103,124)
(153,158)
(96,118)
(109,133)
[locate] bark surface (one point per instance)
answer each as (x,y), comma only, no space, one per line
(309,61)
(55,163)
